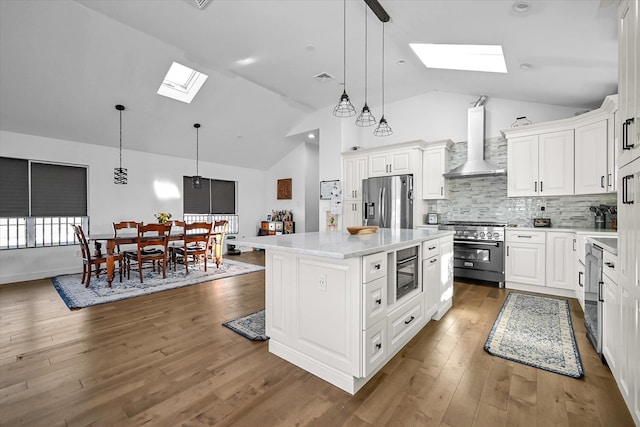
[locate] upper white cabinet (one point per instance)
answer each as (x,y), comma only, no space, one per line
(564,157)
(540,165)
(591,175)
(435,162)
(628,85)
(396,162)
(354,170)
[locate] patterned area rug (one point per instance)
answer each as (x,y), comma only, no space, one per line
(250,326)
(538,332)
(76,295)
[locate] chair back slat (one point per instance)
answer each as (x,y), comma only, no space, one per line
(153,235)
(131,226)
(197,233)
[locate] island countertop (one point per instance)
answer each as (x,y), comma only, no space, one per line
(340,244)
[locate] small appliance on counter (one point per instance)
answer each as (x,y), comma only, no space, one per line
(432,218)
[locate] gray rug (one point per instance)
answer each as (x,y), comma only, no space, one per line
(76,295)
(250,326)
(536,331)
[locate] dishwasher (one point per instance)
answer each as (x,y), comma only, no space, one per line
(593,296)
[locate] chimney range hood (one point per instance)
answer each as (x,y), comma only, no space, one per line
(475,166)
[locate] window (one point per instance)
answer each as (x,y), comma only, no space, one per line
(181,83)
(215,201)
(39,203)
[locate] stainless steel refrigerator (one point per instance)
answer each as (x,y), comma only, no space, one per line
(388,201)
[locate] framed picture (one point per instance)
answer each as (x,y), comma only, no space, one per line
(326,187)
(284,189)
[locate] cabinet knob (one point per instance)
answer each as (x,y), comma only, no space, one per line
(379,301)
(379,346)
(377,266)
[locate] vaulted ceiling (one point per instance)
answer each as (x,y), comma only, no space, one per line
(65,64)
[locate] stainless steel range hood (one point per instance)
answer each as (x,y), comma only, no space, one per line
(475,166)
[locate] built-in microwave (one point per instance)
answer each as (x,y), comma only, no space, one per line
(406,274)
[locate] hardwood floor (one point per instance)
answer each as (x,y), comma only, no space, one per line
(165,359)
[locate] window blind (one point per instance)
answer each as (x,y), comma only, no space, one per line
(223,197)
(14,187)
(196,201)
(58,190)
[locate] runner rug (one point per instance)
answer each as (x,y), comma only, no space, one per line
(536,331)
(250,326)
(76,295)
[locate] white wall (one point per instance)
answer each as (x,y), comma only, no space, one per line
(312,187)
(109,202)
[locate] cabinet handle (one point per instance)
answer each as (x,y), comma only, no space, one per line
(535,186)
(379,346)
(600,298)
(602,181)
(431,248)
(541,186)
(406,322)
(507,250)
(433,260)
(625,190)
(377,266)
(442,191)
(625,134)
(609,180)
(574,245)
(610,264)
(379,301)
(355,194)
(522,236)
(580,274)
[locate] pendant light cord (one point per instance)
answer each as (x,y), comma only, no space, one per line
(383,69)
(365,53)
(344,44)
(197,149)
(120,139)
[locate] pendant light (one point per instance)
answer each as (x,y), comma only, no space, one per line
(365,118)
(120,173)
(383,128)
(196,182)
(344,107)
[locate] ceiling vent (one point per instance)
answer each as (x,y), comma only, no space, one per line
(200,4)
(323,77)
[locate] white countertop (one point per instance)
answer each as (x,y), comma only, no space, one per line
(340,244)
(609,244)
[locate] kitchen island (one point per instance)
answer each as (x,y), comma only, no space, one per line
(340,306)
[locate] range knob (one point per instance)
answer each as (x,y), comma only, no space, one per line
(496,235)
(482,234)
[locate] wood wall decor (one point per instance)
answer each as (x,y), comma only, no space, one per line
(284,189)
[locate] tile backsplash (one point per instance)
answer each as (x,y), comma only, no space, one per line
(485,198)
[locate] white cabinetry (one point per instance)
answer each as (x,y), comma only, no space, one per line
(354,170)
(628,82)
(560,260)
(540,165)
(374,324)
(351,213)
(525,261)
(435,162)
(431,276)
(610,316)
(396,162)
(591,175)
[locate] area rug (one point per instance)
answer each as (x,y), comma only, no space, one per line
(76,295)
(250,326)
(536,331)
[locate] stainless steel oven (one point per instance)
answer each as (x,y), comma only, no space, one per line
(406,271)
(478,250)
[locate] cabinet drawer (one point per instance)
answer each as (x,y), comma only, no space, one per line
(430,248)
(609,264)
(375,266)
(526,236)
(375,347)
(404,325)
(375,302)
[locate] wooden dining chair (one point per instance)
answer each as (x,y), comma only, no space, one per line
(216,242)
(175,240)
(195,246)
(89,260)
(152,246)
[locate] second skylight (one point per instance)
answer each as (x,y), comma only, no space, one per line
(488,58)
(181,83)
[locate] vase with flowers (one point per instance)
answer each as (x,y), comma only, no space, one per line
(163,217)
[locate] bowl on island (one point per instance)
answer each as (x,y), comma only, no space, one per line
(363,229)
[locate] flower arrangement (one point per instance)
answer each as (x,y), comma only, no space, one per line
(163,217)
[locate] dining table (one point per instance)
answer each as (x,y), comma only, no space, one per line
(127,238)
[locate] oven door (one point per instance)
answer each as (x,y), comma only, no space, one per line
(479,260)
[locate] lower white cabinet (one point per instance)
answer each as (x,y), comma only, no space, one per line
(431,284)
(375,302)
(405,322)
(610,322)
(560,260)
(525,260)
(375,347)
(352,213)
(580,274)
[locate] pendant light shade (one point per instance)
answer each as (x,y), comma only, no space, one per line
(383,128)
(196,180)
(344,107)
(120,173)
(365,118)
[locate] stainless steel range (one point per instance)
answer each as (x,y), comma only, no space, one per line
(478,250)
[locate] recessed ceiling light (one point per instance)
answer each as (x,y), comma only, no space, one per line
(526,66)
(181,83)
(488,58)
(521,6)
(311,136)
(246,61)
(309,48)
(401,62)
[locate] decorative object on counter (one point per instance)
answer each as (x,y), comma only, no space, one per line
(365,119)
(280,216)
(120,173)
(521,121)
(344,107)
(432,218)
(536,331)
(600,213)
(332,221)
(196,180)
(542,222)
(326,189)
(163,217)
(364,229)
(284,189)
(250,326)
(383,128)
(75,295)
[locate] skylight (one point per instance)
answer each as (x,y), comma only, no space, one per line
(487,58)
(182,83)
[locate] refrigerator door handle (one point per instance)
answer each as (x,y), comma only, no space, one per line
(383,219)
